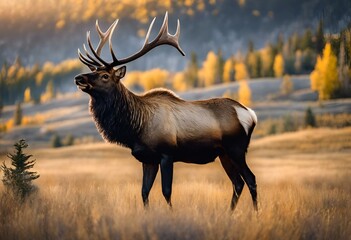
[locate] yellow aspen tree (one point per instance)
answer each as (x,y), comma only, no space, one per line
(153,78)
(240,71)
(179,83)
(27,95)
(209,69)
(315,76)
(244,93)
(278,65)
(324,77)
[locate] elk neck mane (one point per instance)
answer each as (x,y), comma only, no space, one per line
(119,116)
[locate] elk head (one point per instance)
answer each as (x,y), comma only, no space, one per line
(104,75)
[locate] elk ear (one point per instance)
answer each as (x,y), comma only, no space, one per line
(120,72)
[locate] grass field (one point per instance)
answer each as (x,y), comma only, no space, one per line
(93,192)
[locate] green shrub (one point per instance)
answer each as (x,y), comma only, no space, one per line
(310,119)
(56,141)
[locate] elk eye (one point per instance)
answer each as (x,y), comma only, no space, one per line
(105,76)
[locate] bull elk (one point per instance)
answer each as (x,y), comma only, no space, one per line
(161,128)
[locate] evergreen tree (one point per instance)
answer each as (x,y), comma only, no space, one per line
(191,72)
(228,70)
(343,71)
(1,105)
(219,67)
(310,120)
(19,179)
(306,41)
(320,41)
(280,43)
(17,118)
(56,141)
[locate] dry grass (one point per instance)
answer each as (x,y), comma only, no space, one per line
(93,192)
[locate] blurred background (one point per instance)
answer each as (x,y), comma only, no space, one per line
(289,60)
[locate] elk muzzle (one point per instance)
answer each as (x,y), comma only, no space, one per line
(82,82)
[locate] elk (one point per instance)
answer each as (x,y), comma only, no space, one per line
(161,128)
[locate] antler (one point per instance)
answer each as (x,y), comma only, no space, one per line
(163,37)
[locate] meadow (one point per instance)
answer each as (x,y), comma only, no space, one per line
(92,191)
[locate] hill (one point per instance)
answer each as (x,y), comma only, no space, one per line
(69,114)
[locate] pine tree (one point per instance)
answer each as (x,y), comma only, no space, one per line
(320,41)
(228,70)
(310,120)
(17,118)
(219,67)
(56,141)
(19,179)
(191,72)
(343,74)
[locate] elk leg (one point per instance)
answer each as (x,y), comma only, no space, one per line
(167,177)
(248,177)
(234,176)
(149,175)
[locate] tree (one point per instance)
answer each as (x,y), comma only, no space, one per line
(324,77)
(278,65)
(1,105)
(219,67)
(27,95)
(228,70)
(19,179)
(320,41)
(244,93)
(56,141)
(17,118)
(179,83)
(306,41)
(240,71)
(208,71)
(191,72)
(310,120)
(267,60)
(69,140)
(343,71)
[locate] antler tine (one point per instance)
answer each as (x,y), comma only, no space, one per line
(85,60)
(104,36)
(94,52)
(92,60)
(113,26)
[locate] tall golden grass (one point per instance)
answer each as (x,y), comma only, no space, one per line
(93,209)
(93,191)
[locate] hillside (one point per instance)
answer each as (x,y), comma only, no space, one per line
(69,114)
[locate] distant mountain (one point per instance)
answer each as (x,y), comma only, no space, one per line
(40,31)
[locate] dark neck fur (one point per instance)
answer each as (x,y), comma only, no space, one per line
(118,115)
